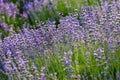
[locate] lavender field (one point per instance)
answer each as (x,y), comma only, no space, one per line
(59,40)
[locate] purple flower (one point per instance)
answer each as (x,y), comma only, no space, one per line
(118,75)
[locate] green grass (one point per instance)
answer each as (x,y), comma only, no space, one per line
(53,63)
(80,66)
(64,8)
(3,76)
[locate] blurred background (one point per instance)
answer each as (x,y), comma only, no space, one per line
(14,14)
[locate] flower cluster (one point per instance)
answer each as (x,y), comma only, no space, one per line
(8,9)
(67,64)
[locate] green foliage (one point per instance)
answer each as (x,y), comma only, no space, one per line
(80,65)
(3,76)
